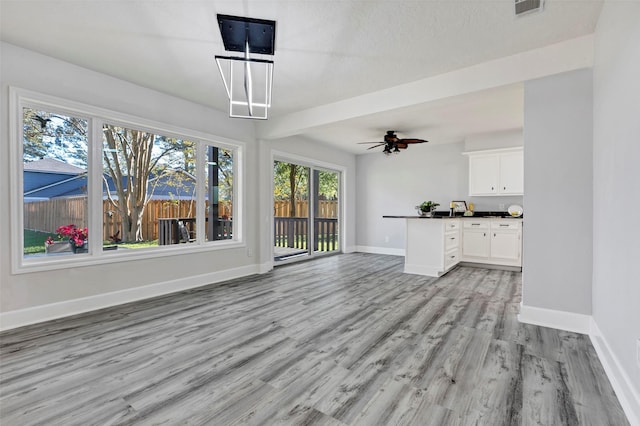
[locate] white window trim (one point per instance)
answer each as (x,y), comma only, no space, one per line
(96,116)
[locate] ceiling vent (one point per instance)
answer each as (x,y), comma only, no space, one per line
(525,7)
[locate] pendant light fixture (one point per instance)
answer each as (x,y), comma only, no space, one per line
(247,80)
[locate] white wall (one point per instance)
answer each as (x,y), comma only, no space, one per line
(395,184)
(616,189)
(495,140)
(28,70)
(557,242)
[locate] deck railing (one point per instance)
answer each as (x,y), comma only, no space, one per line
(292,232)
(183,230)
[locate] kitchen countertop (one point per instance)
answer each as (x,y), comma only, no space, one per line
(445,215)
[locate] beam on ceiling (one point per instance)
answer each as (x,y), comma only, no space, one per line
(561,57)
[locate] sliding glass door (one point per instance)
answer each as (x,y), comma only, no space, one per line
(305,211)
(325,211)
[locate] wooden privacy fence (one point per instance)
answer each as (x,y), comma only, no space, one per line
(48,215)
(326,208)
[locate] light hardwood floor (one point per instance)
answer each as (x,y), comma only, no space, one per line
(341,340)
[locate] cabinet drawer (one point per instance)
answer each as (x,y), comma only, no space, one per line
(451,240)
(451,258)
(476,224)
(451,225)
(505,224)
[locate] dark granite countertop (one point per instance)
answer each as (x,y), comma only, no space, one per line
(445,215)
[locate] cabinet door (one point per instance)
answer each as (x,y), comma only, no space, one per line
(483,174)
(475,244)
(505,246)
(511,173)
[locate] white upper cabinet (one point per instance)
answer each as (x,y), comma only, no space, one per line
(511,173)
(483,174)
(496,172)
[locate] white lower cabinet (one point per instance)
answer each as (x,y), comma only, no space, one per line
(492,241)
(433,246)
(475,240)
(506,242)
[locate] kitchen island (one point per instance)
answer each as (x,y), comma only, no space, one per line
(435,245)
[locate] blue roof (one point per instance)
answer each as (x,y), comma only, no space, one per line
(52,185)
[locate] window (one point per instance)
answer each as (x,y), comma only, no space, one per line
(219,193)
(142,188)
(149,183)
(54,155)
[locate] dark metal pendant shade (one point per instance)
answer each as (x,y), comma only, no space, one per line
(238,32)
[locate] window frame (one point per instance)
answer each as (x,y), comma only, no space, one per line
(96,117)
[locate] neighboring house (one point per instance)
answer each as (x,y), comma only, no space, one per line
(50,178)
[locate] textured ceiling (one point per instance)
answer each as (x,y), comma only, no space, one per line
(326,51)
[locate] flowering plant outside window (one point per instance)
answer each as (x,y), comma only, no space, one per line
(76,235)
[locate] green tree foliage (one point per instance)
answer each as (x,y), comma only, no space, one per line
(55,136)
(291,182)
(328,185)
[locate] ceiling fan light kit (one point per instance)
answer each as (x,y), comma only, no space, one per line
(247,81)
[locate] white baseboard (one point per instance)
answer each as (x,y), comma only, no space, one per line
(620,381)
(36,314)
(569,321)
(350,249)
(263,268)
(429,271)
(628,396)
(380,250)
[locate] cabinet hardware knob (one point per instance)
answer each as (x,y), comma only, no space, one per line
(484,234)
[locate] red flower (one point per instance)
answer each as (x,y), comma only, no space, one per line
(75,234)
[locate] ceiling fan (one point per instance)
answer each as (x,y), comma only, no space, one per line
(392,143)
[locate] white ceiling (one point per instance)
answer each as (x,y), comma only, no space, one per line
(326,52)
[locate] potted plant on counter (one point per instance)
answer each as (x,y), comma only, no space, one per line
(427,208)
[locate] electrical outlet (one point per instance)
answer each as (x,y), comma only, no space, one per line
(386,238)
(501,207)
(249,252)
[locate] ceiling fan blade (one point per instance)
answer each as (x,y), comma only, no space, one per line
(401,145)
(375,146)
(371,142)
(406,141)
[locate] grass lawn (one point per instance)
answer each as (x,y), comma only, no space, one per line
(323,242)
(34,242)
